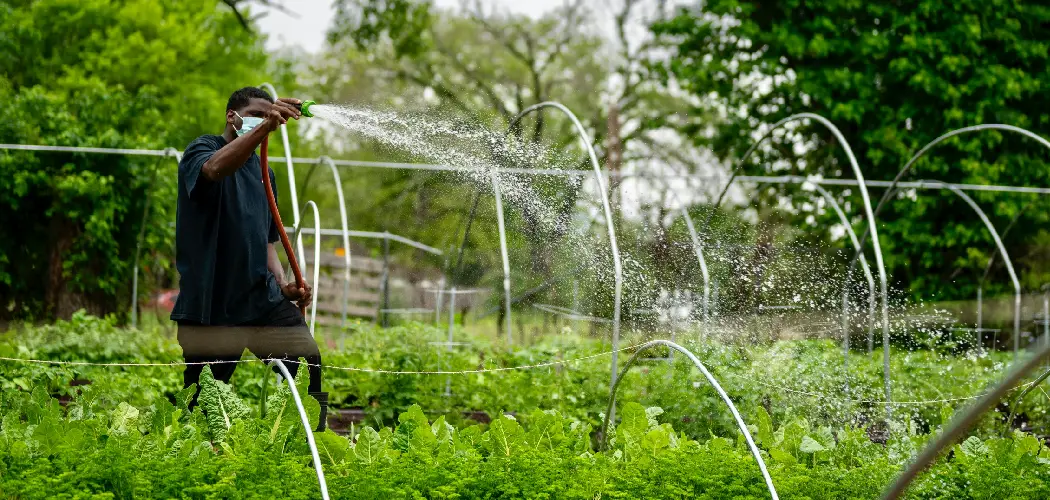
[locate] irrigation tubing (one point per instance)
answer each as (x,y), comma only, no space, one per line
(376,235)
(845,288)
(456,268)
(714,383)
(991,263)
(698,250)
(306,427)
(264,163)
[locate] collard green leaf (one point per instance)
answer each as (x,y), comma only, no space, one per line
(657,440)
(183,398)
(162,416)
(443,433)
(546,430)
(220,405)
(782,456)
(371,446)
(331,446)
(973,447)
(504,437)
(124,419)
(409,421)
(765,427)
(468,439)
(810,445)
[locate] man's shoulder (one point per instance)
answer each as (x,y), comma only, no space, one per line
(210,141)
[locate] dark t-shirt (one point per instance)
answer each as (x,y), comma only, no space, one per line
(221,232)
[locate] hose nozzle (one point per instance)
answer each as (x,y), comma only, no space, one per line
(305,108)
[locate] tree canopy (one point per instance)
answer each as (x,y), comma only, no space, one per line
(892,76)
(128,74)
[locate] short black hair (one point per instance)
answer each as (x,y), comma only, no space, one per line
(241,97)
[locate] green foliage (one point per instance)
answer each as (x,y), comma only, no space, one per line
(892,76)
(158,451)
(773,384)
(118,437)
(95,73)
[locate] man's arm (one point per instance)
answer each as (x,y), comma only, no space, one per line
(227,160)
(290,290)
(273,263)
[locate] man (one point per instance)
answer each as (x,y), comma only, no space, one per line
(232,290)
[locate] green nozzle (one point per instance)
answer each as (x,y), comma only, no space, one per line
(305,108)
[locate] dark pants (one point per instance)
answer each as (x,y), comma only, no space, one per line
(280,334)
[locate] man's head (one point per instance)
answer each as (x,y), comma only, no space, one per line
(248,101)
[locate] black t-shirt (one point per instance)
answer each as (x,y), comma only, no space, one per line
(221,232)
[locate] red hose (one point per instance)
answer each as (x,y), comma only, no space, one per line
(264,162)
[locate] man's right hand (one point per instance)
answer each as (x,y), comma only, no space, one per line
(280,111)
(302,296)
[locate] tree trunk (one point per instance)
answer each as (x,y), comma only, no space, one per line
(60,300)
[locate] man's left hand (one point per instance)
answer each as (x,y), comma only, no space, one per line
(301,296)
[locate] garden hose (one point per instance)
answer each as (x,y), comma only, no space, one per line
(264,162)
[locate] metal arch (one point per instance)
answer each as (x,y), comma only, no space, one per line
(317,260)
(714,383)
(894,185)
(585,142)
(869,215)
(991,261)
(922,152)
(954,429)
(306,426)
(376,236)
(845,289)
(346,233)
(1002,251)
(504,255)
(291,171)
(698,249)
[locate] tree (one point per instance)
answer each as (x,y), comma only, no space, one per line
(480,66)
(130,74)
(893,77)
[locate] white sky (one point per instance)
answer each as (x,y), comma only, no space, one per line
(314,16)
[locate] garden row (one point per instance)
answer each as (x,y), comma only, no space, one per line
(77,430)
(787,379)
(223,449)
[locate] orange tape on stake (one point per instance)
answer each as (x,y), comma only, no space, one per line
(264,162)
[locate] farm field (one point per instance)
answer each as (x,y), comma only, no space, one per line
(83,430)
(552,249)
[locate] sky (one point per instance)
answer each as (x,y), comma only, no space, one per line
(307,31)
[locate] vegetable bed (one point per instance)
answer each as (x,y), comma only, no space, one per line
(127,432)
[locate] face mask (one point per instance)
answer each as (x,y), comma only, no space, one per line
(247,123)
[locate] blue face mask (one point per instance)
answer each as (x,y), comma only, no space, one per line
(247,123)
